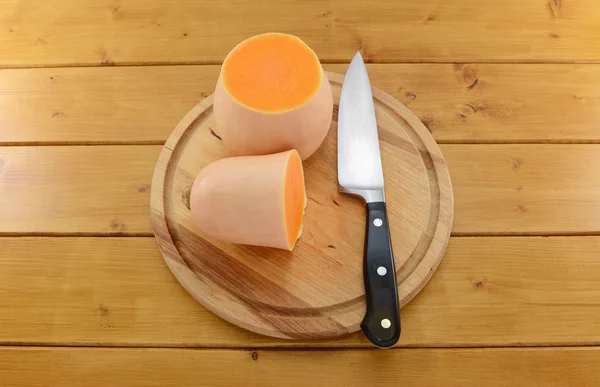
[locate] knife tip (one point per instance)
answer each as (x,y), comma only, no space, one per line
(357,57)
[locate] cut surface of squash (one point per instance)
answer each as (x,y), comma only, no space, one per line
(294,198)
(272,72)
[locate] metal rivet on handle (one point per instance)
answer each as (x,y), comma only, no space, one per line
(381,271)
(378,222)
(386,323)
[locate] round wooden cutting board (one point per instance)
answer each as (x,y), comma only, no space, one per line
(316,291)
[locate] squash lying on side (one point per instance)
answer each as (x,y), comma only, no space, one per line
(253,200)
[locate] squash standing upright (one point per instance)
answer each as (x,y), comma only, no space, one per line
(272,95)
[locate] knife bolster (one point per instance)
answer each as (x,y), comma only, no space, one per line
(368,195)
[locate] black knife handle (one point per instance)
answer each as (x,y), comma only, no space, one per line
(381,324)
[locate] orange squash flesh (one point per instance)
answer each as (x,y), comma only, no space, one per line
(294,198)
(272,72)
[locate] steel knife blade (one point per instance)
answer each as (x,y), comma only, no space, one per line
(360,173)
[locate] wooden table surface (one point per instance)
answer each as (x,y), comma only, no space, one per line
(89,91)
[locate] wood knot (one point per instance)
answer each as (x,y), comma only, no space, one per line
(478,284)
(143,188)
(516,163)
(105,58)
(553,35)
(255,356)
(410,95)
(469,76)
(466,74)
(428,18)
(58,114)
(325,14)
(103,310)
(466,110)
(117,226)
(429,123)
(521,208)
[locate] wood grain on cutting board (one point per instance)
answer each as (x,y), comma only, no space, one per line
(109,32)
(457,102)
(317,290)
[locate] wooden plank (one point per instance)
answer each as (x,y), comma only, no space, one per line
(105,32)
(99,105)
(488,291)
(525,189)
(77,190)
(458,103)
(100,291)
(518,367)
(498,189)
(499,103)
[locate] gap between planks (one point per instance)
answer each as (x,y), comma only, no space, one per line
(151,235)
(308,347)
(324,62)
(439,142)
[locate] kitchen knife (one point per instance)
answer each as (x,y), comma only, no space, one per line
(360,173)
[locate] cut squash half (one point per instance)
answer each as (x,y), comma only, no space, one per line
(251,200)
(272,95)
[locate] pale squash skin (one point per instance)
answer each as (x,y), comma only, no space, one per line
(241,200)
(246,131)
